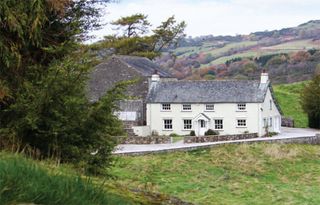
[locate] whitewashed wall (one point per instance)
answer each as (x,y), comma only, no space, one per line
(226,111)
(268,113)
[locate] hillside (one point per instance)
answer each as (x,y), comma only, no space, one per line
(231,174)
(289,94)
(208,52)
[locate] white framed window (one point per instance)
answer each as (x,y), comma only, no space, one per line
(241,106)
(265,122)
(167,124)
(270,122)
(241,123)
(209,107)
(166,107)
(186,107)
(218,124)
(270,102)
(187,124)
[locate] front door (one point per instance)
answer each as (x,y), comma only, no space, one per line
(202,127)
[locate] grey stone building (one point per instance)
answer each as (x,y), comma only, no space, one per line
(122,68)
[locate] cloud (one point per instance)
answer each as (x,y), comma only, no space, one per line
(218,17)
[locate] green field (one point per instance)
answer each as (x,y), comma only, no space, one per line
(231,174)
(288,96)
(24,181)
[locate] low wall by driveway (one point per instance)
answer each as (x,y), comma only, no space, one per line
(144,140)
(217,138)
(150,149)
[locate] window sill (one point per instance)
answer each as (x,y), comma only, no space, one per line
(209,111)
(186,110)
(165,110)
(241,111)
(167,130)
(241,126)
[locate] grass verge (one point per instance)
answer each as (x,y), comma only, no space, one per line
(231,174)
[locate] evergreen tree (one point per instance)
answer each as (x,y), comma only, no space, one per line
(310,101)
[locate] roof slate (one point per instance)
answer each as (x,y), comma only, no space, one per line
(143,65)
(224,91)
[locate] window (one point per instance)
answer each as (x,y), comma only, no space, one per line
(270,122)
(167,124)
(265,122)
(241,106)
(242,123)
(209,107)
(186,107)
(187,124)
(218,124)
(270,104)
(166,107)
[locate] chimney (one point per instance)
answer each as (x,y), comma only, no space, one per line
(264,77)
(155,77)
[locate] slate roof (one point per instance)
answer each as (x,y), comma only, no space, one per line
(143,65)
(224,91)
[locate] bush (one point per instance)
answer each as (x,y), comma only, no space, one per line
(174,135)
(211,132)
(192,133)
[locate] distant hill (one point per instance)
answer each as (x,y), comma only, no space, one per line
(194,56)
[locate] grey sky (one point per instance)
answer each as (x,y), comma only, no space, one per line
(217,17)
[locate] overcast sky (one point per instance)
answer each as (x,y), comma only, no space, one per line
(217,17)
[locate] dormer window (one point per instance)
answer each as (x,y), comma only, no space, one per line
(209,107)
(270,102)
(186,107)
(241,107)
(166,107)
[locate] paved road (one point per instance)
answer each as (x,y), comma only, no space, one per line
(134,148)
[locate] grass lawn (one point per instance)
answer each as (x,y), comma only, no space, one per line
(230,174)
(288,96)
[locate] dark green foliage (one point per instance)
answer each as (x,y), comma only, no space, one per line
(192,133)
(43,81)
(211,132)
(24,182)
(310,101)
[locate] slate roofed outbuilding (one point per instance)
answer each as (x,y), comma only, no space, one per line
(224,91)
(143,65)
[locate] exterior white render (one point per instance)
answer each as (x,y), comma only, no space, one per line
(254,116)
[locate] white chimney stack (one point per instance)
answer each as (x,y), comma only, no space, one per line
(155,77)
(264,77)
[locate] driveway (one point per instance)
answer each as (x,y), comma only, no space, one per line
(138,148)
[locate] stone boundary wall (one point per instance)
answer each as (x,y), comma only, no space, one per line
(144,140)
(217,138)
(287,122)
(314,140)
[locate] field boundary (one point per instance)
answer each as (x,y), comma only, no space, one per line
(188,147)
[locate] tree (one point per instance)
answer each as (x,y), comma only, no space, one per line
(310,101)
(43,76)
(132,42)
(132,26)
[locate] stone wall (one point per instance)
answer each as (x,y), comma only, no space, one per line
(144,140)
(287,122)
(216,138)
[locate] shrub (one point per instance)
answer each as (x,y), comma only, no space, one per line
(211,132)
(192,133)
(174,135)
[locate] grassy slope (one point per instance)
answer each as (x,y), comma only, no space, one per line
(231,174)
(288,96)
(26,181)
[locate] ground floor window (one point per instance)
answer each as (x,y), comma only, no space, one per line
(187,124)
(270,122)
(218,124)
(241,122)
(167,124)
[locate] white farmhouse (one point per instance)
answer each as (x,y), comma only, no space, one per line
(228,106)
